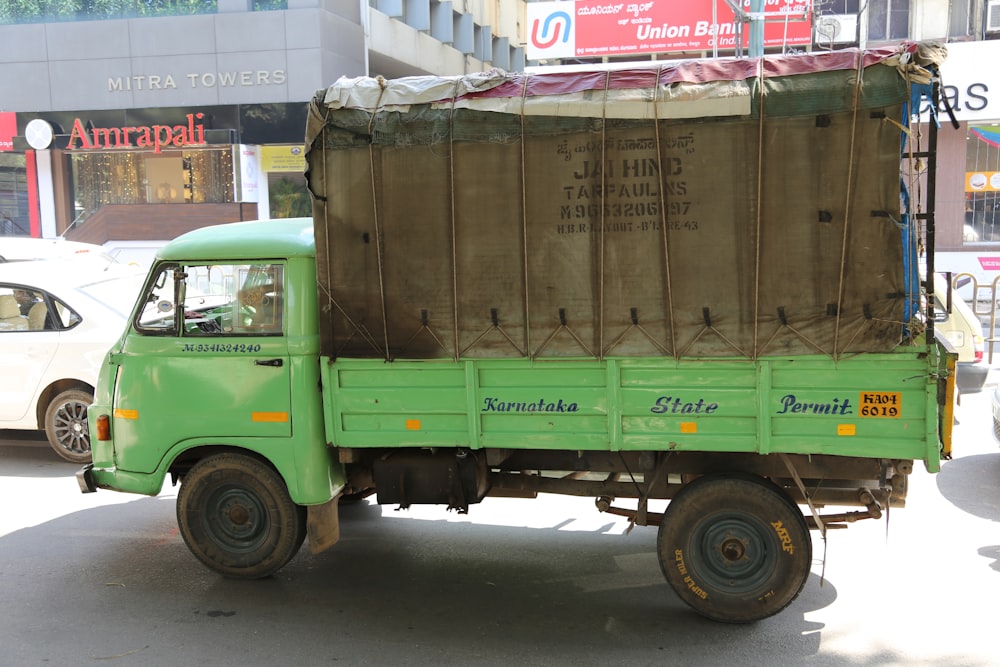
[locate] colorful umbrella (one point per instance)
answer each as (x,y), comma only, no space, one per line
(991,135)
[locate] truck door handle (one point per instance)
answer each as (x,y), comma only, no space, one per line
(269,362)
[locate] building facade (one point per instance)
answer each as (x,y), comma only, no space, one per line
(126,131)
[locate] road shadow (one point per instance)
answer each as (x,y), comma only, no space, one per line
(17,436)
(409,591)
(972,484)
(992,552)
(34,460)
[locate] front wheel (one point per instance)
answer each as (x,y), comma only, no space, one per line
(66,425)
(236,516)
(734,548)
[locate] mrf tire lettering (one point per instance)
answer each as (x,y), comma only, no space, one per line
(735,548)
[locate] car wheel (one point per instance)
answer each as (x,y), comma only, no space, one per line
(66,425)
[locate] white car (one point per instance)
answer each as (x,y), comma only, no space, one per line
(955,320)
(58,318)
(19,249)
(996,413)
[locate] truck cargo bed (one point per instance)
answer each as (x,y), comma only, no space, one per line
(875,405)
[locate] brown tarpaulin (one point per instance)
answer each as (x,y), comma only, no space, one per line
(444,230)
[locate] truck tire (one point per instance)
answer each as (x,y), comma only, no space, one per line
(236,516)
(66,425)
(735,548)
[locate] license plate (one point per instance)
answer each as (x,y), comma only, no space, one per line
(887,404)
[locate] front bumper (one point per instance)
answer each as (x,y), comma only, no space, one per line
(85,478)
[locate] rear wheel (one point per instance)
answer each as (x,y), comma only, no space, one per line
(734,548)
(236,516)
(66,425)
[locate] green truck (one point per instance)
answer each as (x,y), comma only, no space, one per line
(692,281)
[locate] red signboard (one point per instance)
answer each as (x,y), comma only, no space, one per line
(8,129)
(592,28)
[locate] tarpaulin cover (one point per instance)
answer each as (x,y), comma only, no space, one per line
(687,210)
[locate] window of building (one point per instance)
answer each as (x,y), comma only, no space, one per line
(46,11)
(888,20)
(14,219)
(288,196)
(958,18)
(982,185)
(838,7)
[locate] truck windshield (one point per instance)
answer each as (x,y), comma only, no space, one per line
(217,300)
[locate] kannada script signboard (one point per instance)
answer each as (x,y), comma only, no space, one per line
(595,28)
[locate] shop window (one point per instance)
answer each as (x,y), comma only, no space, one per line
(13,196)
(202,176)
(982,185)
(165,180)
(288,196)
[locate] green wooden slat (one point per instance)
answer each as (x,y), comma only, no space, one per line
(403,400)
(707,428)
(542,376)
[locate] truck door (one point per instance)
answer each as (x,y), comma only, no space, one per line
(206,359)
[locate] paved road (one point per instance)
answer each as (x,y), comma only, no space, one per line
(105,579)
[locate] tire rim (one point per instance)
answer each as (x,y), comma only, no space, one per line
(236,519)
(71,428)
(733,553)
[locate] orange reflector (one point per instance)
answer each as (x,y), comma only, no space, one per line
(269,416)
(846,429)
(412,424)
(103,428)
(122,413)
(948,411)
(689,427)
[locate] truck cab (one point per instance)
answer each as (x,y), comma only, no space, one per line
(219,357)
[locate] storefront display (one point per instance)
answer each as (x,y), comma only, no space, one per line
(982,185)
(197,176)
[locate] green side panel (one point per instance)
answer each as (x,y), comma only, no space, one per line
(401,404)
(808,419)
(873,405)
(669,406)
